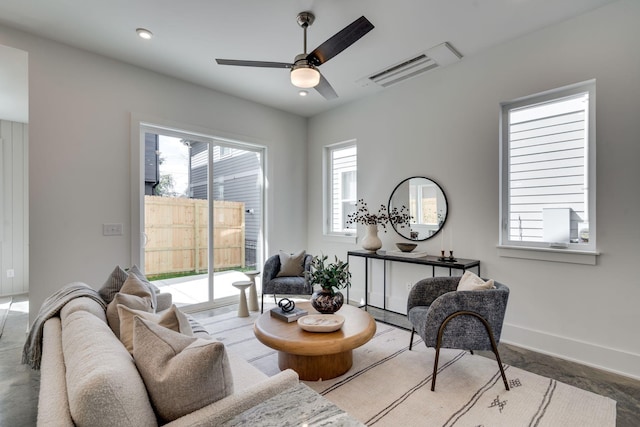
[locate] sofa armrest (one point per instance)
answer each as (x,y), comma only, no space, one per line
(53,406)
(227,408)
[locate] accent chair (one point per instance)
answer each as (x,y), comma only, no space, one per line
(447,318)
(284,274)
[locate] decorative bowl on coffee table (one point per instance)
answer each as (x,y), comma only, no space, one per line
(321,322)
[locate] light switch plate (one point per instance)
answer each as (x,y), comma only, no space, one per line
(112,229)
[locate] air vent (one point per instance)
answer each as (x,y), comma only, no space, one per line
(438,56)
(407,69)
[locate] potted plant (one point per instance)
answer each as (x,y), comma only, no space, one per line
(371,241)
(330,277)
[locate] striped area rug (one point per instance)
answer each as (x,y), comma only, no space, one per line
(389,385)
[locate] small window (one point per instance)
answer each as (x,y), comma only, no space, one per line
(548,170)
(341,187)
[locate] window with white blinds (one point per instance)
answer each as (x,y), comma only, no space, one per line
(548,169)
(340,200)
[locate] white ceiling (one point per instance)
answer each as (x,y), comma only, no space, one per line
(190,34)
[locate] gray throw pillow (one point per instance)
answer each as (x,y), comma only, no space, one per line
(291,265)
(182,374)
(116,280)
(113,284)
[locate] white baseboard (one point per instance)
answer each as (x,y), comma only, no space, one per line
(608,359)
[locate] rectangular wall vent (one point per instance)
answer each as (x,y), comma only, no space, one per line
(407,69)
(438,56)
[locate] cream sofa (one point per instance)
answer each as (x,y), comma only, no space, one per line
(89,378)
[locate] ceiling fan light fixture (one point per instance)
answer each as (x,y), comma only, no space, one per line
(305,76)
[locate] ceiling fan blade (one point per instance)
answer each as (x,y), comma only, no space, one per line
(325,89)
(263,64)
(340,41)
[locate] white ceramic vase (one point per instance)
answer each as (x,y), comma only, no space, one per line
(371,241)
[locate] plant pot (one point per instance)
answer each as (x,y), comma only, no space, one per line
(371,241)
(326,301)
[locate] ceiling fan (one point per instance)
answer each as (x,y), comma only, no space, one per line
(304,71)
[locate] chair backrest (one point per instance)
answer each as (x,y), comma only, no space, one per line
(468,332)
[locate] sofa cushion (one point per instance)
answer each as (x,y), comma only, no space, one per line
(182,374)
(103,385)
(291,265)
(471,282)
(133,294)
(171,318)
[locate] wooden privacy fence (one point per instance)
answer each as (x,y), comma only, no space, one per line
(177,235)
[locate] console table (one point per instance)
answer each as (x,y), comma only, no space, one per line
(428,260)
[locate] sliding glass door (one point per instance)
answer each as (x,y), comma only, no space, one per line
(201,215)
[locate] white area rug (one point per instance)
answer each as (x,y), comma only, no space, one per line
(5,306)
(389,385)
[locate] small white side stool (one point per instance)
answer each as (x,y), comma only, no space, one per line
(253,292)
(243,311)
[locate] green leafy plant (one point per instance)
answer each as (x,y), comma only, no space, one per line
(330,276)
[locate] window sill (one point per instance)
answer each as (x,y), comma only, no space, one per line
(341,238)
(548,254)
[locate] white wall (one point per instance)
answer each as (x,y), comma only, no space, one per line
(444,125)
(80,109)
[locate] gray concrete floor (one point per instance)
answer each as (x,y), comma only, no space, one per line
(19,384)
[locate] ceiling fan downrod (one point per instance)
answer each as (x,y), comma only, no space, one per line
(304,20)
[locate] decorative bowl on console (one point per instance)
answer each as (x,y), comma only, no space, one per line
(406,247)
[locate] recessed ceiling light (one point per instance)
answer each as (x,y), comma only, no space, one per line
(144,33)
(303,93)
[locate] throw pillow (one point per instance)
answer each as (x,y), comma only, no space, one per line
(291,265)
(471,282)
(133,294)
(116,280)
(171,318)
(113,284)
(182,374)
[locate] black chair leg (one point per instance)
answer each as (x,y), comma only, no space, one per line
(262,304)
(494,347)
(435,367)
(495,352)
(413,331)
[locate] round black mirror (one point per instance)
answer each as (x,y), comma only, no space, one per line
(427,205)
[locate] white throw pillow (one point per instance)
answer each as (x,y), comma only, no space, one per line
(171,318)
(471,282)
(182,374)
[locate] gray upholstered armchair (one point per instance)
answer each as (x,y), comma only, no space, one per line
(284,285)
(446,318)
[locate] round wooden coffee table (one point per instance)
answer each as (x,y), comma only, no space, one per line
(316,355)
